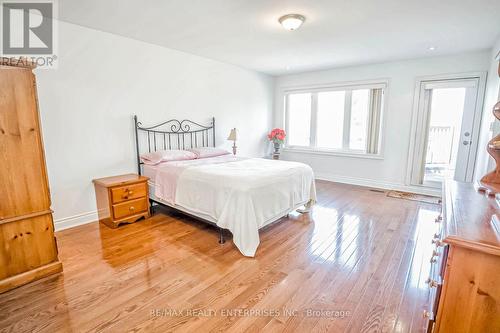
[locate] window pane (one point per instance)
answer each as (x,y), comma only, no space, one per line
(330,119)
(359,119)
(299,112)
(447,105)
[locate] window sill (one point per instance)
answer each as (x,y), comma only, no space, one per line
(327,152)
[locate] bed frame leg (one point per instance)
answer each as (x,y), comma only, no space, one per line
(307,207)
(221,236)
(151,206)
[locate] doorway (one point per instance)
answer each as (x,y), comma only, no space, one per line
(446,134)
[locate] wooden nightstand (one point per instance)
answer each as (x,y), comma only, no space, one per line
(122,199)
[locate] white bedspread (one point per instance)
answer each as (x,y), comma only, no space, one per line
(242,195)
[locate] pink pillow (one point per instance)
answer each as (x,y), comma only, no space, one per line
(204,152)
(167,156)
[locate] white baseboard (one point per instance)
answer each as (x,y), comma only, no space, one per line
(79,219)
(378,184)
(75,220)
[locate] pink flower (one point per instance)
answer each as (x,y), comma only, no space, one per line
(276,134)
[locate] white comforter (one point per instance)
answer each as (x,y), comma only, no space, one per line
(241,195)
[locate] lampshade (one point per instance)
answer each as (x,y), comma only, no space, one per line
(233,136)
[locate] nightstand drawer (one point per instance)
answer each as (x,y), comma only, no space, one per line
(128,192)
(122,199)
(130,208)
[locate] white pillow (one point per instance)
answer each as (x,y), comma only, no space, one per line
(204,152)
(159,156)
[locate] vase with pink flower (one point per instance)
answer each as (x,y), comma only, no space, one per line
(277,136)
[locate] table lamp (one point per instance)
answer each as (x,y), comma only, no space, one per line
(233,136)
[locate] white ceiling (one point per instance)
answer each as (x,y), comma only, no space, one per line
(336,32)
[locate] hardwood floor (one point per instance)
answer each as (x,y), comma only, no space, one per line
(357,263)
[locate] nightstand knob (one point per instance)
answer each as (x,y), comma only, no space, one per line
(132,208)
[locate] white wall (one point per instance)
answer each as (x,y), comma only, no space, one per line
(389,172)
(484,162)
(87,105)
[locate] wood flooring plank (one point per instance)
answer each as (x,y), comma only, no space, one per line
(358,251)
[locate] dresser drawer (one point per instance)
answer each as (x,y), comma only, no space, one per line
(130,208)
(129,192)
(435,281)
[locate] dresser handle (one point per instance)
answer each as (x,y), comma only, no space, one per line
(437,235)
(437,242)
(433,260)
(432,283)
(130,192)
(131,208)
(427,314)
(438,219)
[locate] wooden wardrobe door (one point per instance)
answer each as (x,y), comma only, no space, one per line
(30,243)
(23,179)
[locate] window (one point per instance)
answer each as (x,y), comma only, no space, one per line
(330,119)
(343,119)
(300,114)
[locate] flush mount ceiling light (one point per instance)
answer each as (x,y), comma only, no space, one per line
(292,21)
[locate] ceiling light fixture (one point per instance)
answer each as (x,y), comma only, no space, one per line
(292,21)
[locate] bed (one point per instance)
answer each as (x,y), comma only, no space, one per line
(235,193)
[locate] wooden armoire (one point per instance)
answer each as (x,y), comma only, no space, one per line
(28,249)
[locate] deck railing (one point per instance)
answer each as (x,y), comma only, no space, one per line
(440,145)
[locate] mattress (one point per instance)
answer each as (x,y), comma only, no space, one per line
(239,194)
(150,171)
(164,176)
(151,185)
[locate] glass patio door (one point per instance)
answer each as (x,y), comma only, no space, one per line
(445,123)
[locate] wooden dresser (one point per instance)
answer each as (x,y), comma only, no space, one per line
(122,199)
(464,280)
(28,248)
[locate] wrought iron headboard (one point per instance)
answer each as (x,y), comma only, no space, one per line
(172,134)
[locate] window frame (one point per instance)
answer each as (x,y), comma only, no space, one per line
(342,86)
